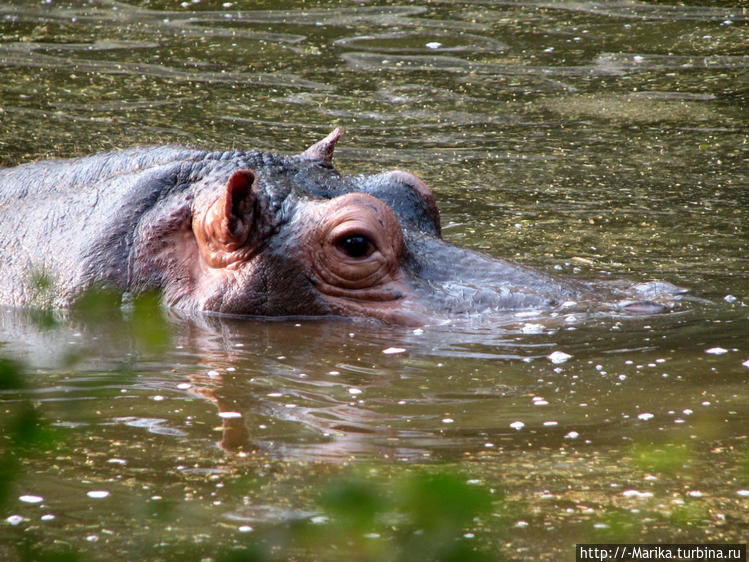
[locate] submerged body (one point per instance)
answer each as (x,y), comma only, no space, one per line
(251,233)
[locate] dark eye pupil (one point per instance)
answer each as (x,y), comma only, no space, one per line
(355,246)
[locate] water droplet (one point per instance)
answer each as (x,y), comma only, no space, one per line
(636,494)
(559,357)
(28,498)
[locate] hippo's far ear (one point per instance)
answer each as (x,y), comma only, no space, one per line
(323,150)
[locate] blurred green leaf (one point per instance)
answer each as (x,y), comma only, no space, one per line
(442,503)
(10,375)
(149,324)
(356,502)
(98,304)
(665,458)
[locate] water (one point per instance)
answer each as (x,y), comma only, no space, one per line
(605,140)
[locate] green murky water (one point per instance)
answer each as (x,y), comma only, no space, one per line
(603,139)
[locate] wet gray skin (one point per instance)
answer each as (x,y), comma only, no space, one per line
(252,233)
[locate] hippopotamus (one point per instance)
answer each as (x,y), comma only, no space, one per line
(254,233)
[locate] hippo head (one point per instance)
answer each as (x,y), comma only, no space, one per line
(290,236)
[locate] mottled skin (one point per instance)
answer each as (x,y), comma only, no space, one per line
(249,233)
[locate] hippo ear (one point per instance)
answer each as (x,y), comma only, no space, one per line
(236,207)
(323,150)
(226,225)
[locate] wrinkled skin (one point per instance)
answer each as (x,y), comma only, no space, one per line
(253,233)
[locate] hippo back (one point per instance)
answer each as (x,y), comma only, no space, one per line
(65,218)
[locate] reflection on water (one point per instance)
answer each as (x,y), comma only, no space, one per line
(595,140)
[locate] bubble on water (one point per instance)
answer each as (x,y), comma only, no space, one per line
(354,391)
(743,493)
(28,498)
(47,517)
(636,494)
(229,415)
(716,350)
(393,350)
(746,363)
(558,357)
(551,423)
(372,535)
(695,494)
(532,329)
(434,45)
(244,529)
(14,519)
(730,299)
(184,385)
(447,420)
(572,435)
(645,416)
(517,425)
(521,524)
(97,494)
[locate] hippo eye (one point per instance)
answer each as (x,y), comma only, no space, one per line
(356,246)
